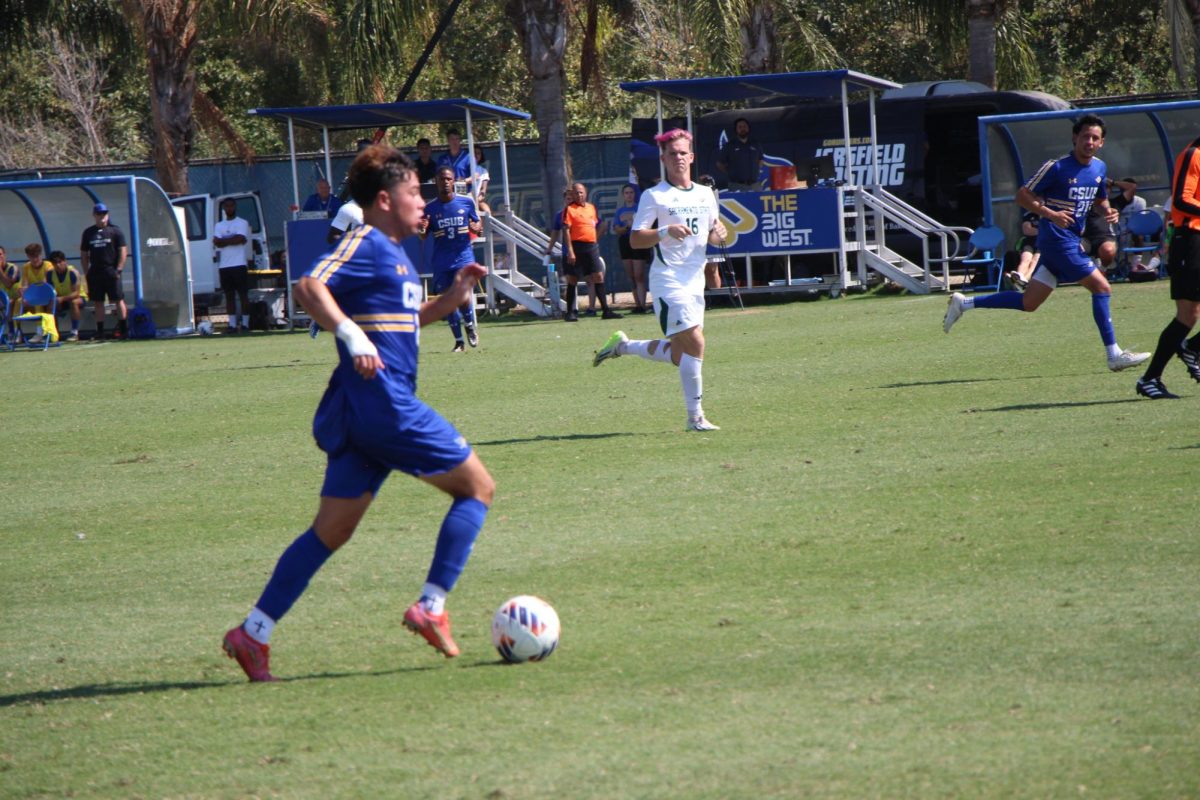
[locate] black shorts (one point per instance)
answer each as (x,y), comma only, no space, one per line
(1096,233)
(104,283)
(1183,265)
(235,280)
(631,253)
(587,260)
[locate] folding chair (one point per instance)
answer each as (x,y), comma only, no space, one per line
(1147,226)
(987,253)
(39,294)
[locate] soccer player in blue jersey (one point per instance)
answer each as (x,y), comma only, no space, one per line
(450,220)
(370,421)
(1060,193)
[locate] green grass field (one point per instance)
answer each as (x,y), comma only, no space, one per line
(910,565)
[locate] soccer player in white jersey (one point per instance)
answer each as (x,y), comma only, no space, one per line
(679,219)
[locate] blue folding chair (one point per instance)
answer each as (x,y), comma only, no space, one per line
(37,295)
(1147,226)
(987,253)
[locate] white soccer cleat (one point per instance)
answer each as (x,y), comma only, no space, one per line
(611,348)
(700,424)
(954,310)
(1126,359)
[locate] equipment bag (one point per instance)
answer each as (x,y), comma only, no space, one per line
(141,324)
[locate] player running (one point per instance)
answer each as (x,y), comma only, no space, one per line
(1060,193)
(370,421)
(452,219)
(679,219)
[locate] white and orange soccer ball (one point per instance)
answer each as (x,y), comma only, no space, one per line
(525,628)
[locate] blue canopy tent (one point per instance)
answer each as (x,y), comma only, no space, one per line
(385,115)
(55,211)
(1141,143)
(775,87)
(306,238)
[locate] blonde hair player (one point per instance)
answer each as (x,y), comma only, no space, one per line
(679,219)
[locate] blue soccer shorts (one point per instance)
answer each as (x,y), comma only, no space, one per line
(1066,263)
(426,445)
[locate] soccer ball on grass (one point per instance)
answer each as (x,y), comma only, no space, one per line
(525,628)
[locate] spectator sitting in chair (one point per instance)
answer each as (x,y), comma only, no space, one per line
(1124,198)
(69,289)
(1027,248)
(323,200)
(10,281)
(33,273)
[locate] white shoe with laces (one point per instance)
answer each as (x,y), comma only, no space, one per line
(1126,359)
(700,424)
(954,310)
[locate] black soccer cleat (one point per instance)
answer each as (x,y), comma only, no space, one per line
(1154,389)
(1191,360)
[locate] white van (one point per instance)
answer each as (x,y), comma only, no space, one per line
(200,215)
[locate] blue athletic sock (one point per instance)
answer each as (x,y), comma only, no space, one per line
(468,313)
(296,567)
(455,540)
(1010,300)
(455,320)
(1103,317)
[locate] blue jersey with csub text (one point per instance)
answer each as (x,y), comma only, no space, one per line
(1067,185)
(374,284)
(449,233)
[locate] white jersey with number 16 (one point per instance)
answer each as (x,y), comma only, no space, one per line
(678,263)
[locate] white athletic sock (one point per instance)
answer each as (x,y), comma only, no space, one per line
(433,597)
(258,626)
(693,384)
(641,348)
(968,303)
(1113,350)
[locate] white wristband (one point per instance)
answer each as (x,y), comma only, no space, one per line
(663,233)
(355,340)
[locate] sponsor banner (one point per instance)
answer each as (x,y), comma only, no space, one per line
(787,221)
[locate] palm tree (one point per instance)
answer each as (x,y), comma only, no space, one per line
(1183,21)
(993,32)
(542,28)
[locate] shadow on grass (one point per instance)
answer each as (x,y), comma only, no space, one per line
(92,690)
(567,437)
(946,382)
(1045,406)
(292,365)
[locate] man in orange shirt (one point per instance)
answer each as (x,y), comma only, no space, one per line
(1183,265)
(584,226)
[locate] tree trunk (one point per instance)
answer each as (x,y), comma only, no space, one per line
(1193,8)
(169,31)
(542,27)
(756,34)
(981,42)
